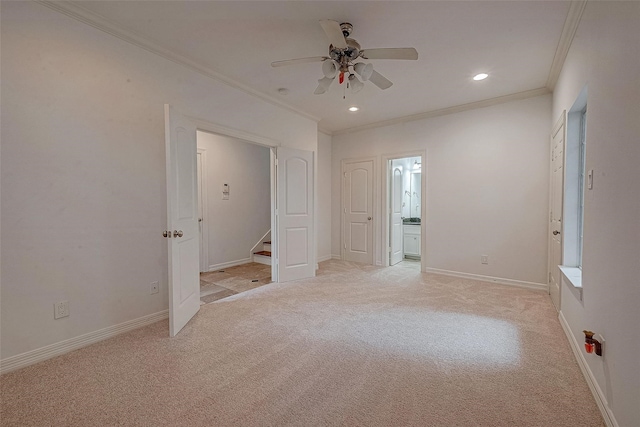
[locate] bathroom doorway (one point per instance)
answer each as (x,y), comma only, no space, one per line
(404,207)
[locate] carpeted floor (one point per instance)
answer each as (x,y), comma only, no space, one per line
(355,346)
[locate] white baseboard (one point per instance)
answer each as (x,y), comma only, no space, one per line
(499,280)
(334,256)
(215,267)
(40,354)
(599,396)
(325,258)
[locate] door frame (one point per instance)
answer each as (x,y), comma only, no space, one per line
(386,159)
(202,194)
(343,205)
(206,126)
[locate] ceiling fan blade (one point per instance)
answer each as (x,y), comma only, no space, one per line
(390,53)
(334,33)
(298,61)
(379,80)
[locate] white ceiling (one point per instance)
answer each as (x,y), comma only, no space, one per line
(514,41)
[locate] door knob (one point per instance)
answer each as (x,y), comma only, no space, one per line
(177,233)
(369,218)
(556,232)
(166,233)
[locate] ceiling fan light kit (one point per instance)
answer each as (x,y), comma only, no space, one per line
(343,51)
(356,85)
(330,68)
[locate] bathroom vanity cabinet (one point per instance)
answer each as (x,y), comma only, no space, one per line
(411,234)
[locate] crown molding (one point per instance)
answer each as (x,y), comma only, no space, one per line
(99,22)
(568,33)
(450,110)
(325,131)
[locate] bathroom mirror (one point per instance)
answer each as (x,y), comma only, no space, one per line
(415,188)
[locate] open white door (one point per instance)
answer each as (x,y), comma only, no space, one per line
(555,215)
(295,252)
(395,227)
(182,219)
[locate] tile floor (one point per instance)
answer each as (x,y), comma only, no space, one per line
(223,283)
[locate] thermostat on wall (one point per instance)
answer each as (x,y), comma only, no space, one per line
(225,191)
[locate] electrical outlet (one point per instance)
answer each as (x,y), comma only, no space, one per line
(154,288)
(484,259)
(60,309)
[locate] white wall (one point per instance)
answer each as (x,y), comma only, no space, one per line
(605,55)
(324,197)
(237,224)
(83,171)
(487,186)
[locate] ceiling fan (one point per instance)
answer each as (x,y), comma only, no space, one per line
(343,51)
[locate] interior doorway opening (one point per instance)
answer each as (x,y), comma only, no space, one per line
(405,209)
(235,192)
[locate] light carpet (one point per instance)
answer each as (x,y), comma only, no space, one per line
(355,346)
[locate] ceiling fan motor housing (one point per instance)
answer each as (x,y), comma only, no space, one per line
(346,28)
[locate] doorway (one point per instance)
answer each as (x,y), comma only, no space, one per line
(404,208)
(292,188)
(235,192)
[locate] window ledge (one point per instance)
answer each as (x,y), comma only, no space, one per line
(573,276)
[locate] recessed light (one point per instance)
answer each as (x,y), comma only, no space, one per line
(353,109)
(480,76)
(283,91)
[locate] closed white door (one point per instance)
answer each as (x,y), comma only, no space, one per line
(358,212)
(555,215)
(182,220)
(296,238)
(395,228)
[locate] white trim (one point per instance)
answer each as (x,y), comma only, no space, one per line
(566,38)
(103,24)
(40,354)
(215,267)
(498,280)
(334,256)
(598,395)
(449,110)
(326,258)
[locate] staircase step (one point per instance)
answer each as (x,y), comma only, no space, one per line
(266,246)
(267,243)
(262,257)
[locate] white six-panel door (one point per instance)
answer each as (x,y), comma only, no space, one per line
(396,217)
(358,211)
(182,220)
(296,237)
